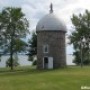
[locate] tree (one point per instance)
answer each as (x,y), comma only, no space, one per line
(15,61)
(33,46)
(1,32)
(19,46)
(2,37)
(81,24)
(14,24)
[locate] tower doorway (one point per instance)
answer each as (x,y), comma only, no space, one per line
(48,63)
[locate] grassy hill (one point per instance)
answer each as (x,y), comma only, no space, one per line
(70,78)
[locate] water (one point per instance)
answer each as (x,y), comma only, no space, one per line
(69,59)
(23,60)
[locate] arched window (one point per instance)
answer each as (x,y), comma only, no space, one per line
(45,49)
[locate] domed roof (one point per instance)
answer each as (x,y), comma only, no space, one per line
(50,22)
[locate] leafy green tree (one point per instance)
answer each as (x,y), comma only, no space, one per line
(14,24)
(81,24)
(19,45)
(33,46)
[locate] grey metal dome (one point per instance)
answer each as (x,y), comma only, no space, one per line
(50,22)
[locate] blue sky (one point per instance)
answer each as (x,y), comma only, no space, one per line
(36,9)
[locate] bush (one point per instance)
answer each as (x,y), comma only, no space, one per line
(34,62)
(15,62)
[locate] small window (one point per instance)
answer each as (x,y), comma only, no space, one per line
(45,48)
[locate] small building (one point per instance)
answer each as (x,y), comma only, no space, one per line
(51,51)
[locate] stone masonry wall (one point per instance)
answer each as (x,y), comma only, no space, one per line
(56,42)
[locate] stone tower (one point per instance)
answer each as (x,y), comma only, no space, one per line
(51,42)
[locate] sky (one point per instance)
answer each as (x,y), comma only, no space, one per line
(36,9)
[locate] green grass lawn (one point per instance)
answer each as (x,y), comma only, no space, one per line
(70,78)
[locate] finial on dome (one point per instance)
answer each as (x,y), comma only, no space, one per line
(51,8)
